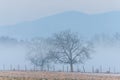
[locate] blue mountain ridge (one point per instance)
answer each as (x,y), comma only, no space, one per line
(87,25)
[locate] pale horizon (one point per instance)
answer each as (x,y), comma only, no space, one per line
(14,12)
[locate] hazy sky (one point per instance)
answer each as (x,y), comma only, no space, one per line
(17,11)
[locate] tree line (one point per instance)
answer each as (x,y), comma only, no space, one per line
(64,47)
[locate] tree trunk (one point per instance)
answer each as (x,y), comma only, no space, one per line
(71,67)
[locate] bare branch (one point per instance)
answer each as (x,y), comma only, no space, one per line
(69,48)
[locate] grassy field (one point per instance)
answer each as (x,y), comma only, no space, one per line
(19,75)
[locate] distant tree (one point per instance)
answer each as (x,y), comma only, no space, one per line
(117,36)
(69,48)
(8,40)
(38,50)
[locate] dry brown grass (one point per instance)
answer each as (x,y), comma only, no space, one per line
(19,75)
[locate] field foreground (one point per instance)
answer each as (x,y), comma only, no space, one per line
(21,75)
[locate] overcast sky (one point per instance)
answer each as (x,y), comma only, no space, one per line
(17,11)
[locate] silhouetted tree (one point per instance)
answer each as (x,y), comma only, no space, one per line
(38,50)
(69,48)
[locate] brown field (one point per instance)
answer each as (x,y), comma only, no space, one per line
(21,75)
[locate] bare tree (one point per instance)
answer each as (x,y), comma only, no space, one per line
(69,48)
(38,50)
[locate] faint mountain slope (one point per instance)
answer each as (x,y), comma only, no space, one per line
(85,24)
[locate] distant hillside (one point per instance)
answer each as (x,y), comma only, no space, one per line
(87,25)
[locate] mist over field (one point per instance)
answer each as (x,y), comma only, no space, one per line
(106,54)
(101,29)
(59,39)
(12,53)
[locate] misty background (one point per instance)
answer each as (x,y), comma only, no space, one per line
(23,20)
